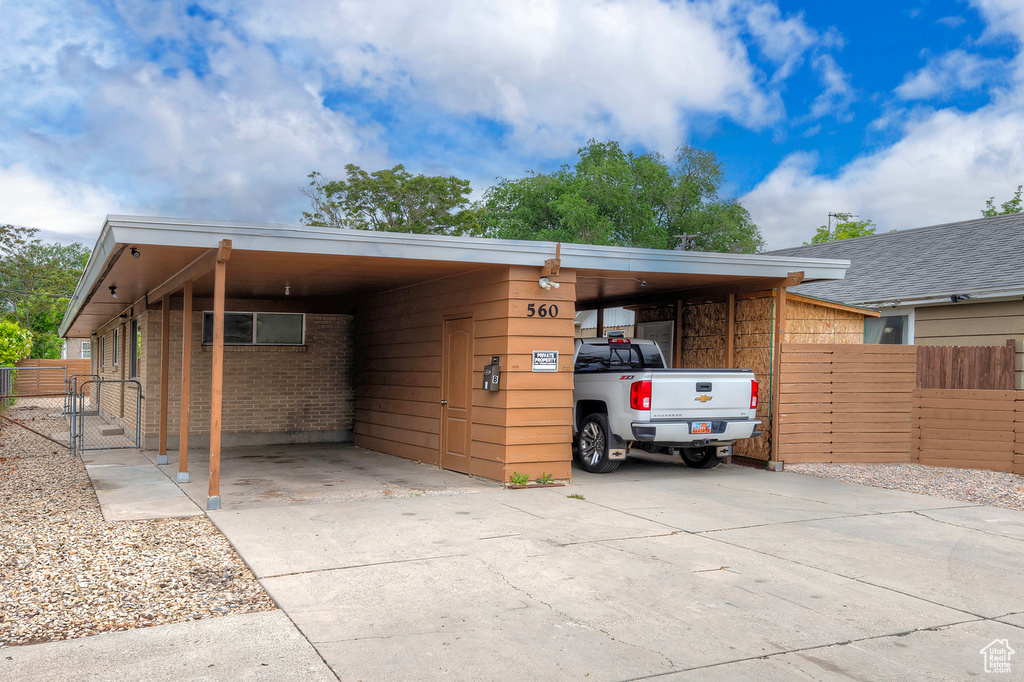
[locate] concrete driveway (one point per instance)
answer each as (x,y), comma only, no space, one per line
(660,571)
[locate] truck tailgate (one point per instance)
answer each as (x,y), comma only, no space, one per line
(679,394)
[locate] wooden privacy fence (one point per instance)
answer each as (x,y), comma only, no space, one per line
(966,367)
(968,429)
(941,406)
(845,402)
(46,376)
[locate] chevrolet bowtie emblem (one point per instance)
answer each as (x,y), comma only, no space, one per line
(703,398)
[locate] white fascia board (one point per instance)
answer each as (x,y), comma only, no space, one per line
(292,239)
(105,248)
(991,294)
(147,231)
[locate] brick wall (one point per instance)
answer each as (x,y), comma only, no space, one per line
(272,394)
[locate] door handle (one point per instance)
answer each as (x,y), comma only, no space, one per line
(444,402)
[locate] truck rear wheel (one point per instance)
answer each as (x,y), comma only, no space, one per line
(592,445)
(701,458)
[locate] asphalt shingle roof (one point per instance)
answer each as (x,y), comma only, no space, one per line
(940,260)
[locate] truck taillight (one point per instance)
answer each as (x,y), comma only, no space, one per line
(753,395)
(640,395)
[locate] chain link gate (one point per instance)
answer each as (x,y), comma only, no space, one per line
(78,412)
(35,399)
(106,414)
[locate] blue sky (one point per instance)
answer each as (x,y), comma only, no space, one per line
(905,113)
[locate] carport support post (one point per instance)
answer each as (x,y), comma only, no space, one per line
(730,332)
(217,375)
(780,332)
(186,383)
(165,351)
(600,323)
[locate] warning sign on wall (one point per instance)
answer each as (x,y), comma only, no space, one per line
(545,361)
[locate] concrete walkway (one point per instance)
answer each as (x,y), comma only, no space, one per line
(130,488)
(255,646)
(658,572)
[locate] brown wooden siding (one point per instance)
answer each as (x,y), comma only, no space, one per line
(973,324)
(525,427)
(846,403)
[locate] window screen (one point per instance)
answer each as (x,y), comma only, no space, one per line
(278,328)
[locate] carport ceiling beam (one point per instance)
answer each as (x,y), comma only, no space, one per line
(197,268)
(718,292)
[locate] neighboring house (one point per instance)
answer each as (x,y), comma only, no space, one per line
(76,349)
(615,319)
(954,284)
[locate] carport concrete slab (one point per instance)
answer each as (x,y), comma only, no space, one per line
(945,654)
(608,610)
(1018,620)
(910,553)
(280,540)
(992,520)
(129,488)
(257,646)
(279,475)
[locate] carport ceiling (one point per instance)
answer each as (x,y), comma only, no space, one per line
(336,267)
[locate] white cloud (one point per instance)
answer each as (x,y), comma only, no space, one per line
(837,95)
(942,170)
(950,73)
(555,72)
(59,206)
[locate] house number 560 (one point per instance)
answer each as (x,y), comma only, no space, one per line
(543,310)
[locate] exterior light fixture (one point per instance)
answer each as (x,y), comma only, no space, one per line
(287,289)
(135,252)
(113,291)
(956,298)
(546,283)
(643,282)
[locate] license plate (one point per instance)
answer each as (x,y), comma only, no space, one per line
(700,427)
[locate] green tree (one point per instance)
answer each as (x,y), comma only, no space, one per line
(845,229)
(392,200)
(617,197)
(15,343)
(36,284)
(1010,206)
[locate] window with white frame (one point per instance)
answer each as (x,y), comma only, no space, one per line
(258,329)
(86,350)
(117,336)
(888,329)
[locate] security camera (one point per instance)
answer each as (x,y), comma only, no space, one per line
(546,283)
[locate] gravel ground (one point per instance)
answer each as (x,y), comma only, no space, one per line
(66,573)
(994,488)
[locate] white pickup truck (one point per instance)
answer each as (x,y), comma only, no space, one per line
(626,400)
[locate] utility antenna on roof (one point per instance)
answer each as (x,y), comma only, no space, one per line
(841,217)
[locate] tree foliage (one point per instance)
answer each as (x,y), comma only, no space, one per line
(15,343)
(36,284)
(846,229)
(1010,206)
(392,200)
(616,197)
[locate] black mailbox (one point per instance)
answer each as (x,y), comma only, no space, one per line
(492,374)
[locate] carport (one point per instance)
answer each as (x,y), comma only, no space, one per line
(254,334)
